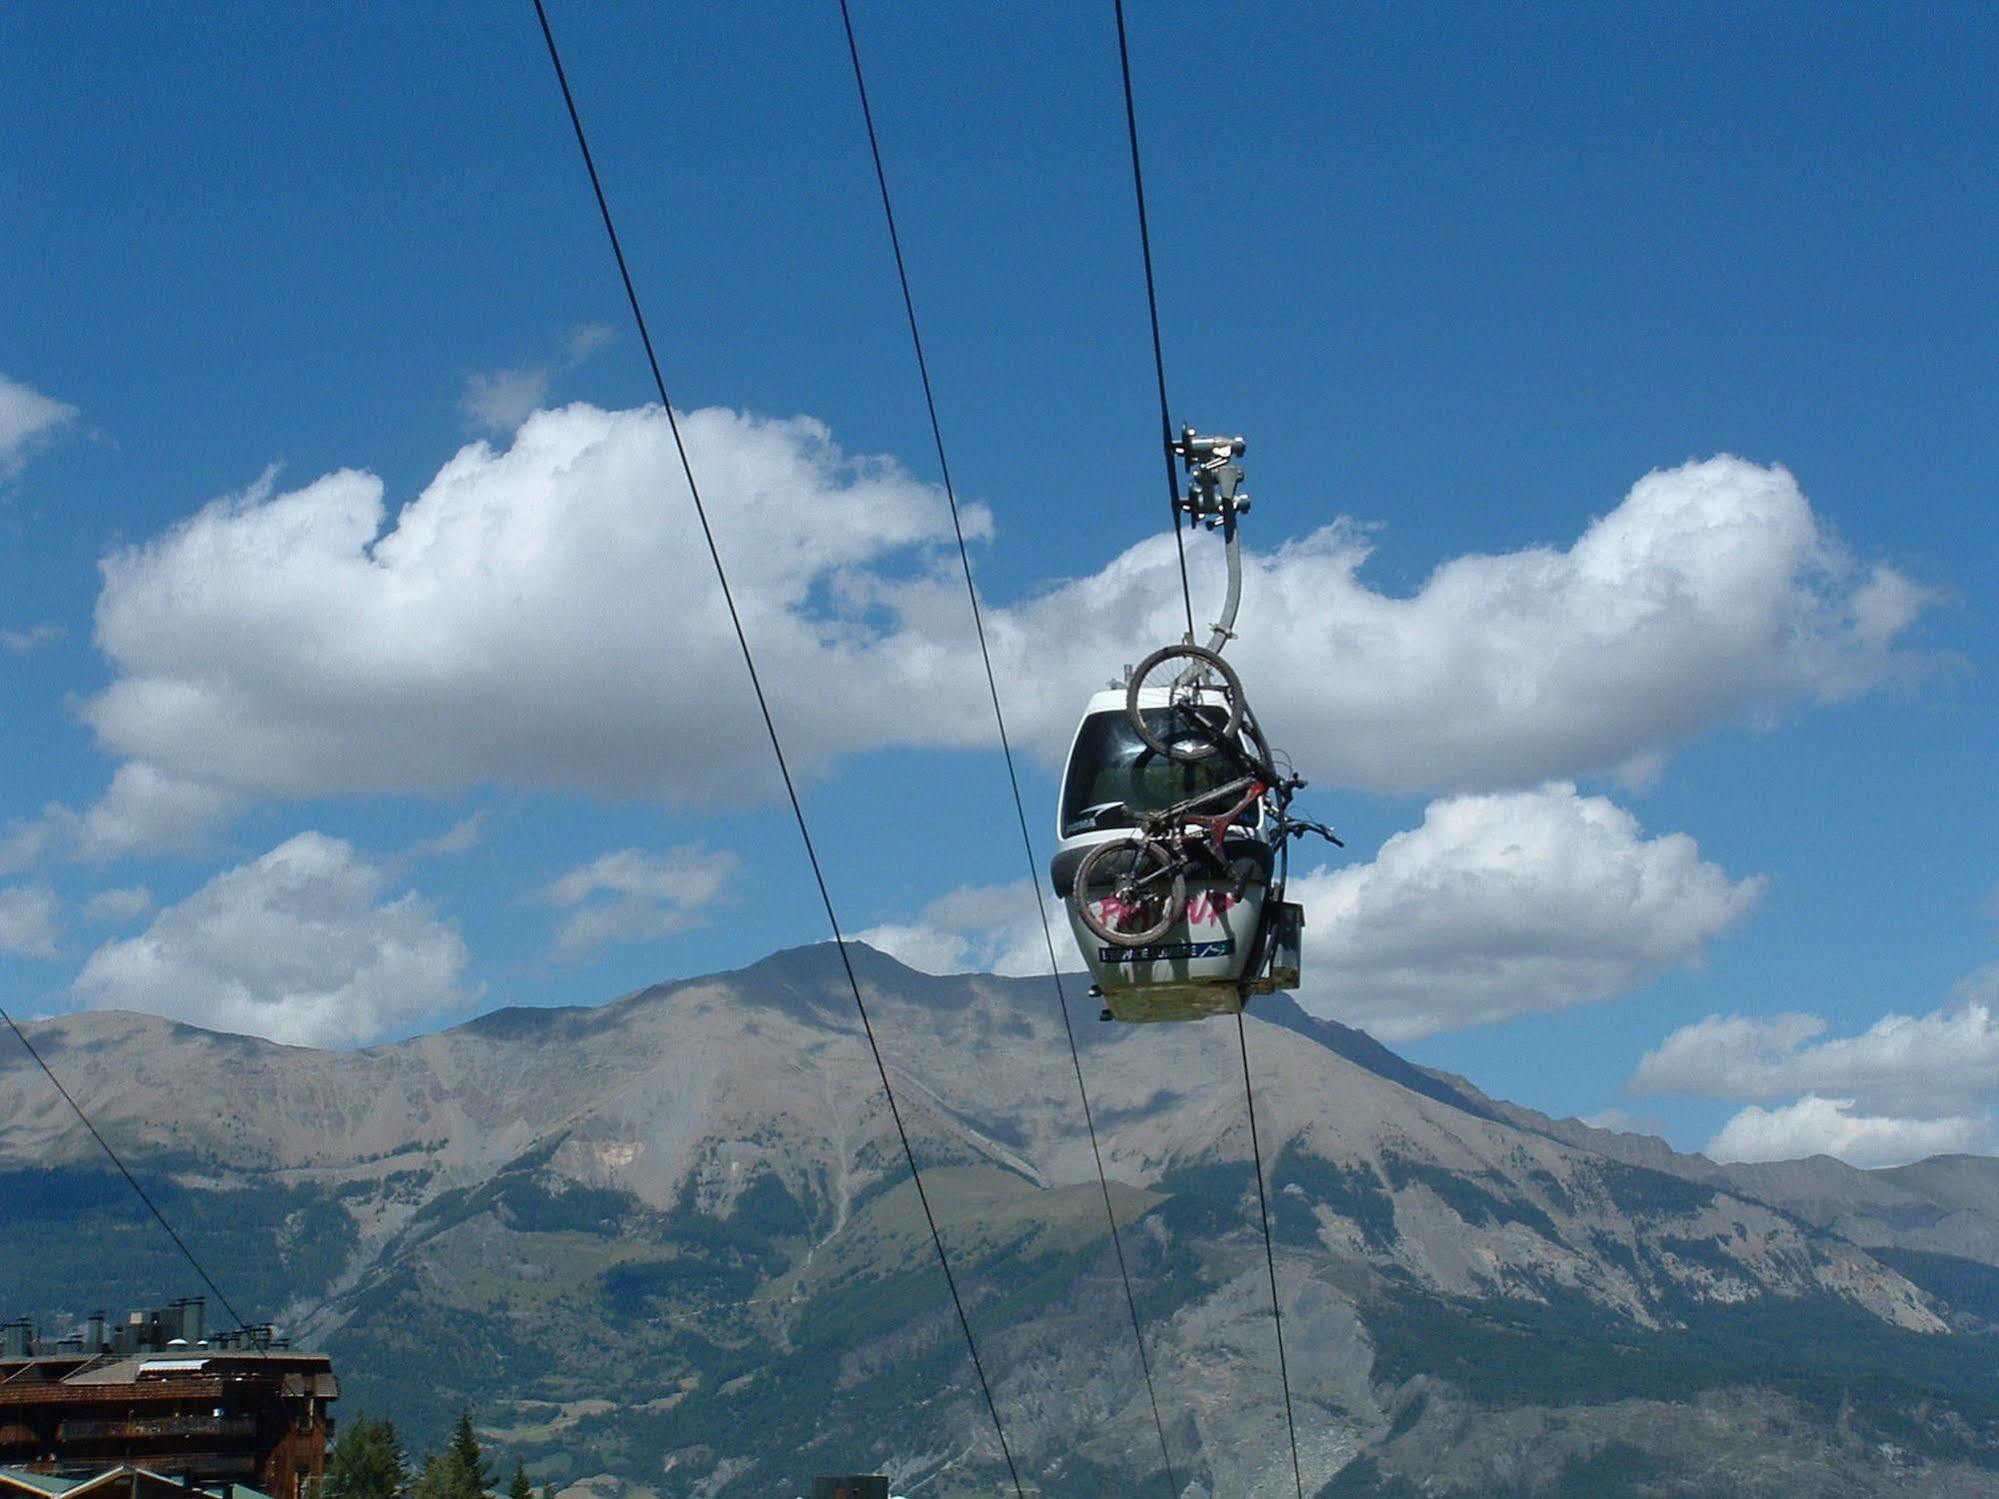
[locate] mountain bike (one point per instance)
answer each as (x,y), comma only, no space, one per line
(1187,703)
(1131,890)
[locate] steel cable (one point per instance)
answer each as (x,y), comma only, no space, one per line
(770,729)
(105,1145)
(999,719)
(1152,309)
(1269,1251)
(1173,491)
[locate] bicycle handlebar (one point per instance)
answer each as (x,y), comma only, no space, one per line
(1298,827)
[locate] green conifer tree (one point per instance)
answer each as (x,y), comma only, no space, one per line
(436,1479)
(366,1463)
(470,1477)
(520,1488)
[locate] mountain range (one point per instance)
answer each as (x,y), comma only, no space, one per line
(669,1246)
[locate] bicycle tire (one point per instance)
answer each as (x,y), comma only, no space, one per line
(1185,750)
(1136,849)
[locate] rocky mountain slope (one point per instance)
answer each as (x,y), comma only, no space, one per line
(669,1245)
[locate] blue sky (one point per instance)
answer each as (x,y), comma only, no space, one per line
(1664,795)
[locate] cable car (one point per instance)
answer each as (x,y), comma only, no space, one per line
(1171,944)
(1173,827)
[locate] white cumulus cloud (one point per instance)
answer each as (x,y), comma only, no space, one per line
(1711,594)
(23,845)
(117,906)
(634,896)
(304,945)
(1503,904)
(1496,906)
(460,838)
(27,417)
(545,616)
(1908,1085)
(34,637)
(147,810)
(28,921)
(1947,1058)
(143,811)
(979,929)
(1829,1126)
(1624,1122)
(500,400)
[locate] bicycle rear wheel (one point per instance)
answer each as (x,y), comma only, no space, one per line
(1130,891)
(1194,725)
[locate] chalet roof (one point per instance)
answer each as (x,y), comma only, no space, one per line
(39,1483)
(115,1483)
(103,1369)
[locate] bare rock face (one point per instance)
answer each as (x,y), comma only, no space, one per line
(671,1245)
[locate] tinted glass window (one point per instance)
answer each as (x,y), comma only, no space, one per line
(1111,766)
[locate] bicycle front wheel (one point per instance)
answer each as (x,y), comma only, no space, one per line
(1130,891)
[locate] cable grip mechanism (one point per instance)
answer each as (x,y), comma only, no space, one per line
(1215,498)
(1214,484)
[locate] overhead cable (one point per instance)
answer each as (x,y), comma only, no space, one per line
(1173,494)
(770,729)
(1152,308)
(1269,1253)
(999,719)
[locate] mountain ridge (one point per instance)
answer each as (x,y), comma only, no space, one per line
(702,1175)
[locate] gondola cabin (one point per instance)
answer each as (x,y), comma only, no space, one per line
(1180,942)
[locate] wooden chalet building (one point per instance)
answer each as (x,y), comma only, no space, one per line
(233,1411)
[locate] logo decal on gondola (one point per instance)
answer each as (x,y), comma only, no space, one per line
(1161,952)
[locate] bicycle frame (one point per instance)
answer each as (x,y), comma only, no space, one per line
(1171,825)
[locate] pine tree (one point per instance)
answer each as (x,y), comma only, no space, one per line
(366,1462)
(437,1478)
(520,1488)
(471,1478)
